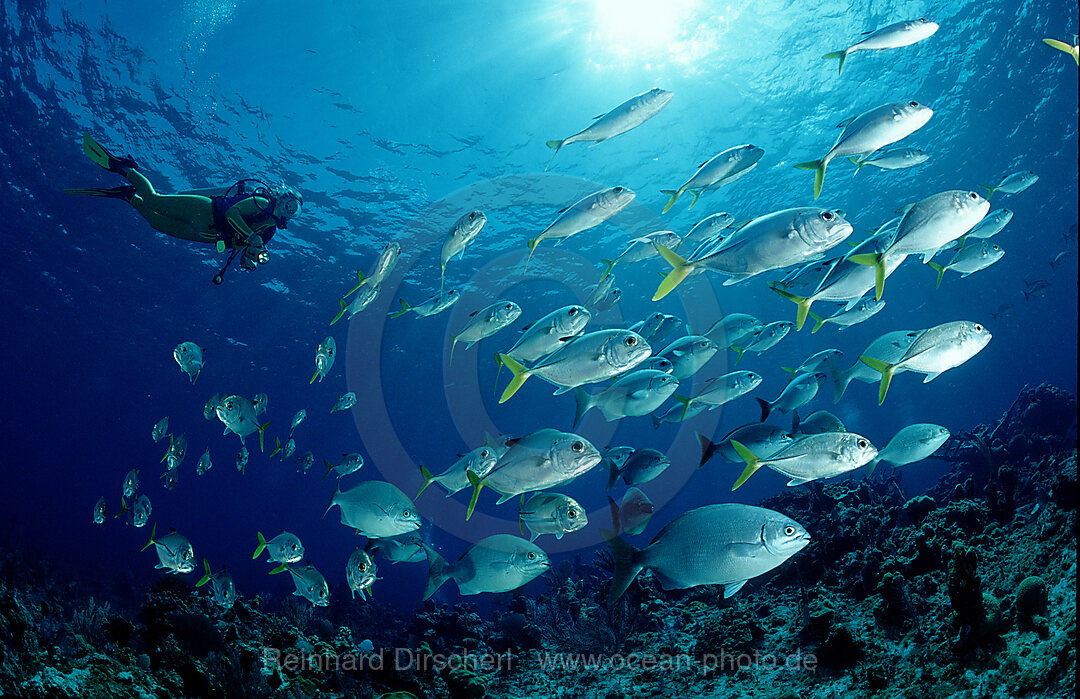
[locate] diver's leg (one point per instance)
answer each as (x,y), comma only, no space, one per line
(176,227)
(192,215)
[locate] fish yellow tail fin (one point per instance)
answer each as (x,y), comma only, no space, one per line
(260,547)
(818,166)
(360,278)
(1067,48)
(697,193)
(521,373)
(753,463)
(858,165)
(477,483)
(608,266)
(940,272)
(673,196)
(428,478)
(801,301)
(680,269)
(842,55)
(205,578)
(685,404)
(885,369)
(557,144)
(819,322)
(340,312)
(877,261)
(405,308)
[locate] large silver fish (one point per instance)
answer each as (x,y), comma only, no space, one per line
(970,259)
(283,548)
(632,515)
(592,357)
(584,214)
(375,509)
(479,461)
(849,315)
(463,232)
(912,443)
(893,36)
(889,347)
(237,413)
(552,513)
(310,584)
(174,551)
(773,241)
(190,358)
(870,131)
(934,351)
(631,113)
(634,394)
(541,338)
(895,159)
(723,168)
(433,306)
(725,544)
(761,437)
(499,563)
(540,460)
(360,572)
(811,457)
(720,390)
(325,354)
(222,587)
(403,548)
(688,354)
(708,228)
(796,394)
(643,248)
(1012,184)
(485,323)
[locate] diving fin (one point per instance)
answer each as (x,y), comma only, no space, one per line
(127,192)
(96,152)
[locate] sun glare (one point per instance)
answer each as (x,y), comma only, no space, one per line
(637,27)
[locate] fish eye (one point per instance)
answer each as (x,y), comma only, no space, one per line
(485,454)
(571,513)
(913,103)
(973,195)
(748,147)
(978,328)
(472,215)
(362,567)
(826,216)
(789,530)
(578,447)
(572,312)
(618,190)
(863,443)
(532,556)
(922,19)
(509,306)
(406,513)
(631,341)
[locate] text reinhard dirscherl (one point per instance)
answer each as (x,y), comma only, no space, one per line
(274,659)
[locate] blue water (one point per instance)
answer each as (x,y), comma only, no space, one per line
(393,121)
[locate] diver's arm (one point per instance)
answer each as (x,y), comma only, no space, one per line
(235,216)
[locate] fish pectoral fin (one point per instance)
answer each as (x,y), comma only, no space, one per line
(562,389)
(504,498)
(798,481)
(931,377)
(731,588)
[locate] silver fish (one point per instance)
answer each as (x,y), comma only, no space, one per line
(242,458)
(709,228)
(222,587)
(733,329)
(305,462)
(283,548)
(844,318)
(869,132)
(433,306)
(463,232)
(991,225)
(633,513)
(325,354)
(176,452)
(287,449)
(298,418)
(131,483)
(817,422)
(912,443)
(896,159)
(643,248)
(723,168)
(140,513)
(485,323)
(210,407)
(893,36)
(1012,184)
(934,351)
(499,563)
(628,115)
(551,513)
(204,464)
(190,358)
(889,347)
(765,339)
(721,390)
(360,573)
(174,551)
(375,509)
(350,463)
(970,259)
(161,428)
(641,467)
(811,457)
(688,354)
(403,548)
(540,460)
(633,394)
(363,299)
(172,478)
(678,413)
(609,301)
(656,327)
(762,438)
(479,461)
(656,364)
(344,402)
(601,290)
(796,394)
(774,241)
(101,510)
(584,214)
(823,361)
(310,584)
(261,400)
(238,415)
(590,358)
(548,334)
(723,544)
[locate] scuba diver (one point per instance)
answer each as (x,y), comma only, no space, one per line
(242,217)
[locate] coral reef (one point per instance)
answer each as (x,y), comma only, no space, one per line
(967,590)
